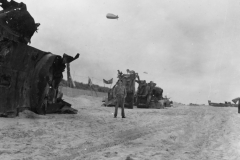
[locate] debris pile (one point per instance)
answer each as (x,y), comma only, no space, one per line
(16,23)
(29,78)
(148,95)
(129,82)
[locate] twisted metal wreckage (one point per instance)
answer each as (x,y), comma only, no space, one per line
(147,95)
(29,78)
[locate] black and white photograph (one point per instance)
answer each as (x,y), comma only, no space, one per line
(119,80)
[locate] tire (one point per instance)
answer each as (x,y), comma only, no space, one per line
(129,101)
(131,105)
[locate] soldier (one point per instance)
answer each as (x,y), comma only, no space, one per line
(130,71)
(119,74)
(120,94)
(141,84)
(151,85)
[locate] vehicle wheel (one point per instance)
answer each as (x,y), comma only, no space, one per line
(131,105)
(165,104)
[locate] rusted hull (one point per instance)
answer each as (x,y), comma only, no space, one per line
(29,77)
(24,77)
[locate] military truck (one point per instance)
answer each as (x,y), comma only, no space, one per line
(129,82)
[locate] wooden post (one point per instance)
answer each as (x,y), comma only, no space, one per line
(91,91)
(69,78)
(95,92)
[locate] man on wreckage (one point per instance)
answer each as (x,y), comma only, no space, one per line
(148,91)
(29,78)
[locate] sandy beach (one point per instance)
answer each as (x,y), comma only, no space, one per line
(176,133)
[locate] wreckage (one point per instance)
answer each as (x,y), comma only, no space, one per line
(29,78)
(236,102)
(165,101)
(150,96)
(147,95)
(226,104)
(129,82)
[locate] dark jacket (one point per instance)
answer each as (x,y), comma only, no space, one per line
(119,91)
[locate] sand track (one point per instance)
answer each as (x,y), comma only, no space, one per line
(178,133)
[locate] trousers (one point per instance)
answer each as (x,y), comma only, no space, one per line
(120,102)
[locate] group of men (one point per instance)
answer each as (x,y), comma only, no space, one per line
(145,90)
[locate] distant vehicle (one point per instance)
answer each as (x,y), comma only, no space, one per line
(226,104)
(193,104)
(235,100)
(112,16)
(166,102)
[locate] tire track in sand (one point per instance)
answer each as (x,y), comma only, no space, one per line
(129,135)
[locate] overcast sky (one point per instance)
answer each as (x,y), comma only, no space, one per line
(190,48)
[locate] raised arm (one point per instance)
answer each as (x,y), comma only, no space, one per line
(137,76)
(138,79)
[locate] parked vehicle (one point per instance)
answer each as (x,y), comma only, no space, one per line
(129,83)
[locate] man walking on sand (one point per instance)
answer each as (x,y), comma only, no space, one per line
(120,94)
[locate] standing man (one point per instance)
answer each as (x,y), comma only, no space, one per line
(151,85)
(120,94)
